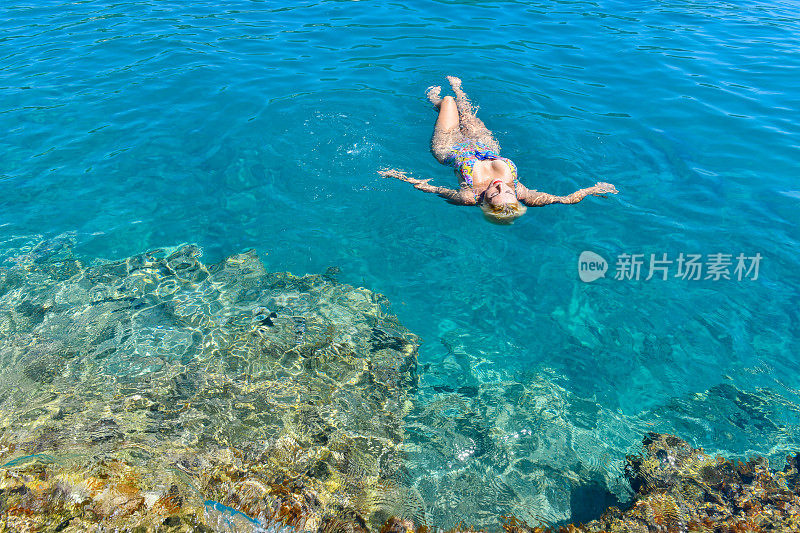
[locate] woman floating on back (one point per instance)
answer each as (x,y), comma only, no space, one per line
(461,140)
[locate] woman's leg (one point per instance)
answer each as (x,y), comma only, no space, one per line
(472,127)
(446,132)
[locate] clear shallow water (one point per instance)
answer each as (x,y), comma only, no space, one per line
(251,124)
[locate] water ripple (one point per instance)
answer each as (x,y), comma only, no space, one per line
(242,124)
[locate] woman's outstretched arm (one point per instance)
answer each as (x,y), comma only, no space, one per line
(536,198)
(458,197)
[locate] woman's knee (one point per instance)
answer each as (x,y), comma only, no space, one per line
(448,115)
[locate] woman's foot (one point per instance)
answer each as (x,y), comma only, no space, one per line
(433,93)
(455,83)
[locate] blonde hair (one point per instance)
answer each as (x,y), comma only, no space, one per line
(504,213)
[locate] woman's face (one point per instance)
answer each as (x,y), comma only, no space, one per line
(499,193)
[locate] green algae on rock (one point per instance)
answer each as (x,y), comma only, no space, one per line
(160,392)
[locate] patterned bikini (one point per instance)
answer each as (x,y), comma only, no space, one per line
(465,154)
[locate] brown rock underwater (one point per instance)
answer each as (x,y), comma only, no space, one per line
(161,393)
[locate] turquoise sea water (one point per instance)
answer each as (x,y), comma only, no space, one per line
(234,125)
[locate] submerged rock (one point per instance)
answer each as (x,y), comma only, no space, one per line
(159,392)
(683,489)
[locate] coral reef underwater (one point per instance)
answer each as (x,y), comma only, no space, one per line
(159,393)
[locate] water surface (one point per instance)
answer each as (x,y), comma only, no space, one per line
(244,124)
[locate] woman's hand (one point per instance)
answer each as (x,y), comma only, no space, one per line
(602,187)
(400,175)
(393,173)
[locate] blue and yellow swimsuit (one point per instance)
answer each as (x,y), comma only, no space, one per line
(465,154)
